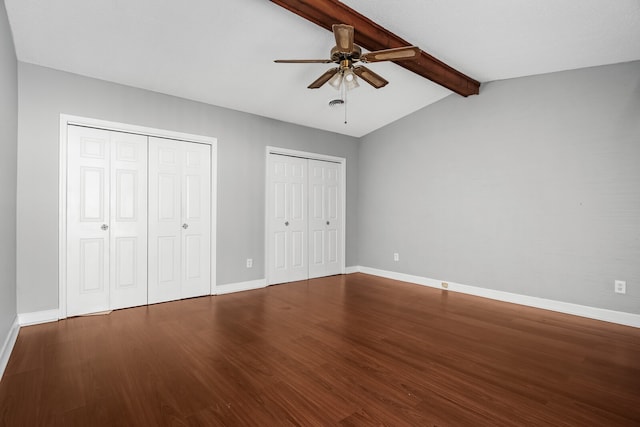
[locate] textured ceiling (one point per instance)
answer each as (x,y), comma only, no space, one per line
(222,52)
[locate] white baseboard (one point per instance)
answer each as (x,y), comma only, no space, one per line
(26,319)
(352,269)
(612,316)
(240,286)
(7,346)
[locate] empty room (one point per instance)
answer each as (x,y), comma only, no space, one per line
(319,212)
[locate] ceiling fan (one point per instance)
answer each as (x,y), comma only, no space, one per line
(346,53)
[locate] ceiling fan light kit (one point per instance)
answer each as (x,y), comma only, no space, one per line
(336,80)
(345,78)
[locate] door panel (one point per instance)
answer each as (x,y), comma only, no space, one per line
(180,219)
(164,220)
(128,220)
(325,224)
(196,215)
(126,262)
(92,200)
(279,200)
(333,250)
(287,209)
(126,193)
(168,257)
(193,254)
(91,265)
(317,252)
(87,210)
(279,252)
(167,197)
(298,252)
(192,203)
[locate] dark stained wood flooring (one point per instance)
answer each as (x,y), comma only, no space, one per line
(352,350)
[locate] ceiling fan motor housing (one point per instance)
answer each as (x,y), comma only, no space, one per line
(354,55)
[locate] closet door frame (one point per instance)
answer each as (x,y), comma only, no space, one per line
(66,120)
(343,195)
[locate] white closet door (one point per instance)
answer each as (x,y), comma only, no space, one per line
(179,219)
(87,220)
(106,220)
(325,219)
(196,215)
(165,235)
(128,220)
(287,219)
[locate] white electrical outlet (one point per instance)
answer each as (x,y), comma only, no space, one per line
(396,256)
(249,262)
(620,286)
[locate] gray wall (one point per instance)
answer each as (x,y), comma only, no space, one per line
(533,187)
(242,138)
(8,147)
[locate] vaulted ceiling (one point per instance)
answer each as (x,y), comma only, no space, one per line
(221,52)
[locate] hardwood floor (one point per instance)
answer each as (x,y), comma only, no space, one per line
(345,350)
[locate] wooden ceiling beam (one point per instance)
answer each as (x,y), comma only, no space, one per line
(372,37)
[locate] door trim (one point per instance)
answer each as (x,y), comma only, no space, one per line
(343,189)
(67,119)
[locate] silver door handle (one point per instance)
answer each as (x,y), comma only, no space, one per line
(286,223)
(185,226)
(104,227)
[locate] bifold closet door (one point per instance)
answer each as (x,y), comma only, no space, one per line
(179,219)
(304,218)
(287,209)
(106,220)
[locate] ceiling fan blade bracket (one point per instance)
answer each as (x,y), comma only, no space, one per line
(338,55)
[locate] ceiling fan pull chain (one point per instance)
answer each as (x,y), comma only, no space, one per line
(344,97)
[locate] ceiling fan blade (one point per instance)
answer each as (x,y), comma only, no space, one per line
(344,37)
(370,77)
(323,78)
(397,54)
(303,61)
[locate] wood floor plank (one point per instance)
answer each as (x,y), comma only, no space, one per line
(344,350)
